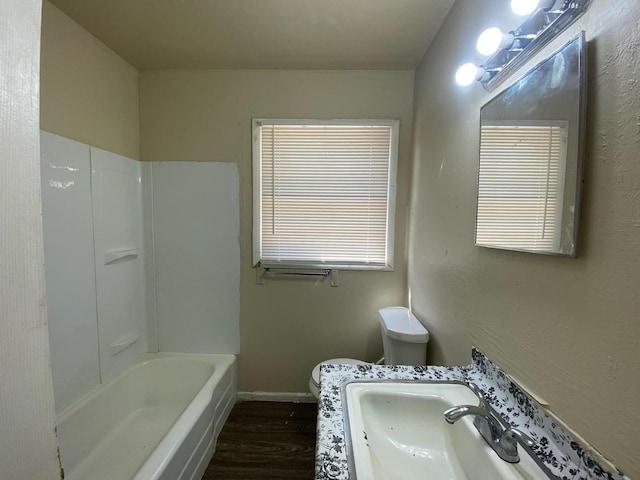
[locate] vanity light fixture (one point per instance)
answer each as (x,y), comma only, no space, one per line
(509,51)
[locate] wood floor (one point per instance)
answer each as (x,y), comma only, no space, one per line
(266,441)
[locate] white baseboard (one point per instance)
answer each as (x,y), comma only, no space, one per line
(277,397)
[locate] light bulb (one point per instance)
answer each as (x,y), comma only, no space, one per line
(467,74)
(492,39)
(524,7)
(489,41)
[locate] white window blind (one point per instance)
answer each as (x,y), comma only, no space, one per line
(324,193)
(520,186)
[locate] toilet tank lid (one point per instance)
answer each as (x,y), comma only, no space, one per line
(401,324)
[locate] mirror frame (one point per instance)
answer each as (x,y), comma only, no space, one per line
(580,39)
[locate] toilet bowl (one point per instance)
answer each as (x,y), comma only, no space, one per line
(404,340)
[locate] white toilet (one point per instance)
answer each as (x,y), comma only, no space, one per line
(404,340)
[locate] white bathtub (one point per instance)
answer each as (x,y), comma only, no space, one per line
(158,420)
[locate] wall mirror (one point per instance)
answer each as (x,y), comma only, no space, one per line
(531,147)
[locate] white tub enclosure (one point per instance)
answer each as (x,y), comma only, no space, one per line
(133,265)
(94,264)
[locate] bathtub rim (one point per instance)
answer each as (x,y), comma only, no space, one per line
(226,359)
(158,460)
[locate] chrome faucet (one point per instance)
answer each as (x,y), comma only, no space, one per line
(503,441)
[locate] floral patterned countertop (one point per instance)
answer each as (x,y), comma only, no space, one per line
(556,449)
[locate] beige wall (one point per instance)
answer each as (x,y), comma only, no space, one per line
(569,329)
(88,93)
(28,447)
(286,325)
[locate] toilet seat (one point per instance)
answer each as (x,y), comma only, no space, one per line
(315,373)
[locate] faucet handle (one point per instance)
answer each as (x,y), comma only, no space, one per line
(483,401)
(506,446)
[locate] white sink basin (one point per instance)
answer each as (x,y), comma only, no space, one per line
(396,430)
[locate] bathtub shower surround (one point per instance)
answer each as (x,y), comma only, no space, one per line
(196,223)
(94,264)
(133,267)
(157,420)
(563,456)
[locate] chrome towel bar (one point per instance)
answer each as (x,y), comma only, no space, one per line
(262,272)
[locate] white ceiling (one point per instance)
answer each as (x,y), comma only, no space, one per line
(309,34)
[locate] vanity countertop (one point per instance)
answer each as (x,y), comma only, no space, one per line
(562,454)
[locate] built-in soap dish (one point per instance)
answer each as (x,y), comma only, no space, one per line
(124,342)
(113,256)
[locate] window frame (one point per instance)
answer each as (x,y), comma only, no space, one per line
(256,125)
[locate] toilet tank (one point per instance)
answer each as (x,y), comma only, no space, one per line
(404,338)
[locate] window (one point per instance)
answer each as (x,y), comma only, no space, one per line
(520,185)
(324,193)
